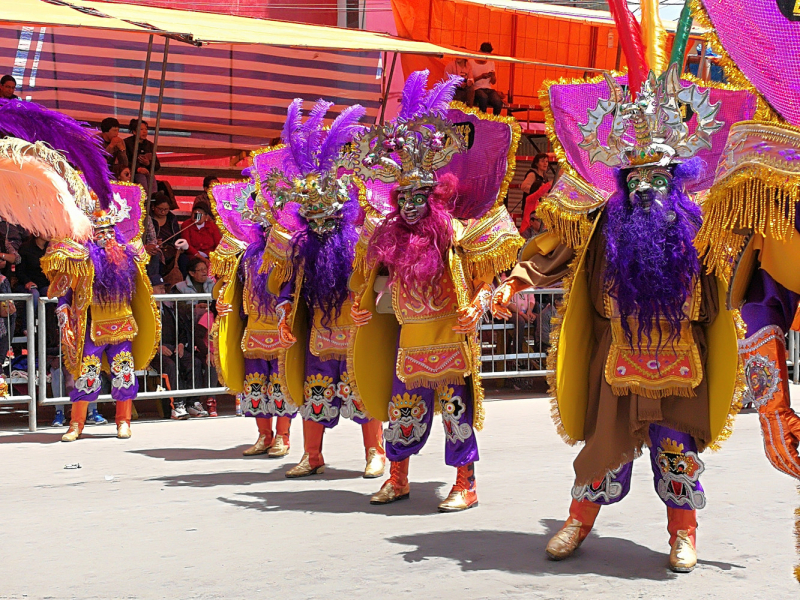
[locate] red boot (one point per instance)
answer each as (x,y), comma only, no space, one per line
(312,461)
(582,515)
(123,418)
(76,421)
(396,487)
(372,432)
(212,407)
(280,447)
(464,493)
(265,439)
(682,527)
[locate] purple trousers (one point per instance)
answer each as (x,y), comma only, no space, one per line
(328,394)
(676,473)
(124,385)
(411,415)
(263,395)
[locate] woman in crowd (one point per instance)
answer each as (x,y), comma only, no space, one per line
(202,235)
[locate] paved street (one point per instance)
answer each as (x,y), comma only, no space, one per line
(176,512)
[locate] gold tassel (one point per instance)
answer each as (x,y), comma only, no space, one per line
(427,382)
(634,388)
(572,228)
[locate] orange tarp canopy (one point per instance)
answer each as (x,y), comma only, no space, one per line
(528,31)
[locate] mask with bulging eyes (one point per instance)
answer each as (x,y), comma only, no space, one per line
(646,186)
(413,204)
(103,235)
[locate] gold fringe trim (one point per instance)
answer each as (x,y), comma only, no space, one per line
(213,335)
(58,262)
(425,381)
(360,259)
(634,388)
(498,259)
(572,228)
(737,79)
(755,197)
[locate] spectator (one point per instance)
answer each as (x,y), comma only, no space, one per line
(466,91)
(7,86)
(534,186)
(485,77)
(202,235)
(208,181)
(167,229)
(115,147)
(196,364)
(122,173)
(31,278)
(7,315)
(174,339)
(145,156)
(10,242)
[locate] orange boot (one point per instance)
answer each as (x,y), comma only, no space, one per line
(582,515)
(396,487)
(123,418)
(312,461)
(265,438)
(280,447)
(372,432)
(464,494)
(76,421)
(682,527)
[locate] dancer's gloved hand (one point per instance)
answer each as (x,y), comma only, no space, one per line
(360,317)
(502,297)
(283,310)
(63,313)
(470,316)
(223,309)
(781,428)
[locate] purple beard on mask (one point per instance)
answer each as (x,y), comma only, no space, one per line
(651,260)
(251,263)
(113,279)
(327,262)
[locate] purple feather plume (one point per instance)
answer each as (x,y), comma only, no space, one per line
(314,128)
(292,134)
(78,142)
(438,100)
(414,92)
(342,131)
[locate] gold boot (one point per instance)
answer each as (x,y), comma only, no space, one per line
(260,447)
(304,469)
(123,431)
(682,556)
(376,464)
(73,433)
(563,544)
(463,494)
(279,448)
(396,487)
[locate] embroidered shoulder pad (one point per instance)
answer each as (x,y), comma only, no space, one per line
(570,208)
(489,244)
(66,256)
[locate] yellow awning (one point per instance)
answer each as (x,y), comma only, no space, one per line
(207,28)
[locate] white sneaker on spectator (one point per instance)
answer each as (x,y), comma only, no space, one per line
(179,412)
(197,410)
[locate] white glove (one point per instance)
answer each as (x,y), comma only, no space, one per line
(182,244)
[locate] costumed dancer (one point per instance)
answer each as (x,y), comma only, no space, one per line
(644,355)
(246,340)
(429,249)
(316,210)
(752,224)
(106,311)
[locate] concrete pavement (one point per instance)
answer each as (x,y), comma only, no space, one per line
(176,512)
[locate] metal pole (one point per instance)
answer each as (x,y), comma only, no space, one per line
(42,350)
(31,365)
(701,69)
(135,157)
(388,87)
(151,181)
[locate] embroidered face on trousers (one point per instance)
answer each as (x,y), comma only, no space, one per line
(406,415)
(351,407)
(453,410)
(89,381)
(679,473)
(279,404)
(319,393)
(122,370)
(254,391)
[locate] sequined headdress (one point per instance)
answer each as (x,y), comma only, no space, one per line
(411,148)
(309,176)
(117,212)
(650,130)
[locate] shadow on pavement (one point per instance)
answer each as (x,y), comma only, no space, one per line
(517,552)
(203,480)
(423,501)
(33,438)
(178,454)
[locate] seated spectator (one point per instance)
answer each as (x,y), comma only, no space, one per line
(466,91)
(122,173)
(197,281)
(10,242)
(202,235)
(167,230)
(7,86)
(483,71)
(117,152)
(141,166)
(203,196)
(535,185)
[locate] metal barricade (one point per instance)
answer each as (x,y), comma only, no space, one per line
(171,307)
(18,377)
(518,347)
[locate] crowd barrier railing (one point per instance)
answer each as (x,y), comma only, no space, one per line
(17,379)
